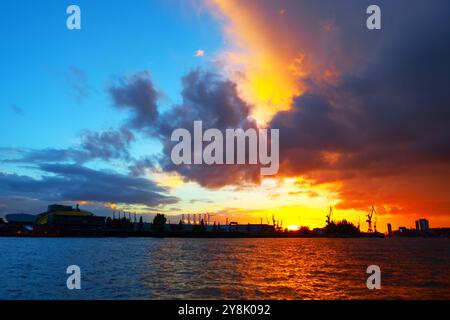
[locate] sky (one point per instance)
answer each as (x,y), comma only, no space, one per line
(364,115)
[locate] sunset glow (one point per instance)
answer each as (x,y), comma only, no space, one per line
(347,139)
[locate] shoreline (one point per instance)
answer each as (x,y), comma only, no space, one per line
(198,236)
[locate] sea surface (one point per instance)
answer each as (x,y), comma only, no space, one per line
(174,268)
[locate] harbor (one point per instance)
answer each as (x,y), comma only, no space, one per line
(67,221)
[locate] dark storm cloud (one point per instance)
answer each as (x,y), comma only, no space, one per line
(390,115)
(112,144)
(213,100)
(206,96)
(138,167)
(76,183)
(137,94)
(105,145)
(33,156)
(388,102)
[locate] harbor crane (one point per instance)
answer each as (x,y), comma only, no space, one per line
(209,217)
(329,215)
(369,219)
(375,223)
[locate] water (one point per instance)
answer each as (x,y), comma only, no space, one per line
(151,268)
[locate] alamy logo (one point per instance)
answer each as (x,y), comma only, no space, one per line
(73,21)
(374,20)
(235,139)
(374,280)
(74,280)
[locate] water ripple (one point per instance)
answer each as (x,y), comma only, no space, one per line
(148,268)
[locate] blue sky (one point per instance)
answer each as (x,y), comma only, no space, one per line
(55,85)
(42,62)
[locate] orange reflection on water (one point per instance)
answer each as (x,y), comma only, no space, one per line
(299,268)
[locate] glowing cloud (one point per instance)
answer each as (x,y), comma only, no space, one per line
(199,53)
(266,74)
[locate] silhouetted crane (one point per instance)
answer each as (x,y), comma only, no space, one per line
(375,223)
(369,219)
(329,215)
(209,217)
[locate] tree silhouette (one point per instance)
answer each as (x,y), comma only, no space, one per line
(341,227)
(159,223)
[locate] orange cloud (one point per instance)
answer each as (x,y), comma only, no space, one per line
(266,71)
(200,53)
(277,47)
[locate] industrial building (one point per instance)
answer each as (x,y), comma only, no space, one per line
(422,225)
(68,219)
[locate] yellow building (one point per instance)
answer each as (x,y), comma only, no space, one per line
(68,217)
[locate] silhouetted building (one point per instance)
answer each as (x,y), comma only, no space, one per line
(66,218)
(424,225)
(389,227)
(440,232)
(405,232)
